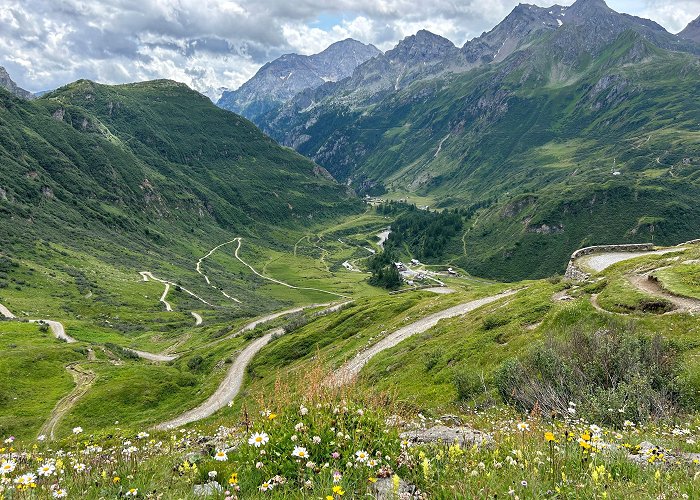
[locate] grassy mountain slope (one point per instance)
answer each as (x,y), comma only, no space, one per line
(99,183)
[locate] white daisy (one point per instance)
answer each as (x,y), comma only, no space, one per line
(361,456)
(46,470)
(7,466)
(258,439)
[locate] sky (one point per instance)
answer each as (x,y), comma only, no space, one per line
(216,44)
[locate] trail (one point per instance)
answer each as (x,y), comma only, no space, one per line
(165,294)
(297,244)
(83,380)
(437,153)
(352,368)
(652,287)
(227,390)
(255,323)
(147,274)
(198,267)
(240,241)
(158,358)
(197,318)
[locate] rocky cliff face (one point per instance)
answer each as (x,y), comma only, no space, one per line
(278,81)
(692,31)
(7,83)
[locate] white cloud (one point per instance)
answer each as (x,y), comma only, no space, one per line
(210,44)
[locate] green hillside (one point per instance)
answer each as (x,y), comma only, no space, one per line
(145,160)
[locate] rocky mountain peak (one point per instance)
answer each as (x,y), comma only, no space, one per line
(7,83)
(280,80)
(588,7)
(692,31)
(424,46)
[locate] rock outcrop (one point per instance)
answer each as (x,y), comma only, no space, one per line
(7,83)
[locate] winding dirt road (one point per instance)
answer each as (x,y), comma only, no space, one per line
(83,380)
(56,328)
(198,268)
(238,248)
(231,385)
(227,390)
(351,369)
(652,287)
(147,274)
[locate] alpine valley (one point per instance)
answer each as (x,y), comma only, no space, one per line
(433,272)
(562,127)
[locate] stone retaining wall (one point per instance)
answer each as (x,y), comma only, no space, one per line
(633,247)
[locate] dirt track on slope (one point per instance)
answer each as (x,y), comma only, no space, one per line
(227,390)
(240,242)
(352,368)
(652,287)
(83,380)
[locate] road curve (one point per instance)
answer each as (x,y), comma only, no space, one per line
(253,324)
(197,318)
(652,287)
(198,268)
(147,274)
(231,385)
(158,358)
(227,390)
(6,312)
(83,380)
(601,261)
(352,368)
(240,241)
(57,329)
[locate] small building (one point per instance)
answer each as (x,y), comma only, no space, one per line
(415,262)
(451,271)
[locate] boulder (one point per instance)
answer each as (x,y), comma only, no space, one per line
(464,436)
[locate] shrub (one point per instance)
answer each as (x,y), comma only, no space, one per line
(468,385)
(612,374)
(195,363)
(432,359)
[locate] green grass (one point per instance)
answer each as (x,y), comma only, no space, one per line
(33,377)
(682,279)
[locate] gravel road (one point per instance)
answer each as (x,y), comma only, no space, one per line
(227,390)
(350,369)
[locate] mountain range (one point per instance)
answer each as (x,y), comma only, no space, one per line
(280,80)
(561,127)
